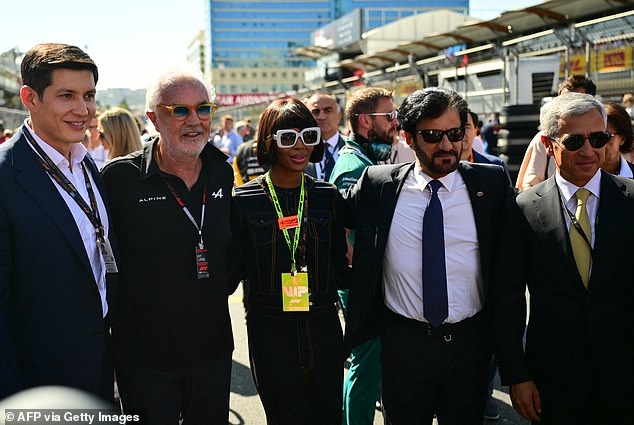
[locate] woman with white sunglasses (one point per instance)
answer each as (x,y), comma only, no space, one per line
(289,233)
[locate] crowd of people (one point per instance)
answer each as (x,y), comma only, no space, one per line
(119,257)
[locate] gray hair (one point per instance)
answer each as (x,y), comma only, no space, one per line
(170,77)
(565,106)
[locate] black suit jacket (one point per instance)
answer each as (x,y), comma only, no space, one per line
(372,202)
(578,340)
(51,325)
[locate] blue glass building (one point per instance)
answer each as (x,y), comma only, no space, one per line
(251,36)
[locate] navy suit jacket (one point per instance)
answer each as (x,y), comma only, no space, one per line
(372,202)
(52,330)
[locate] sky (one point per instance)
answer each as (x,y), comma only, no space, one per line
(134,40)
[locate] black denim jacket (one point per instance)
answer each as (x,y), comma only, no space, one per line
(261,253)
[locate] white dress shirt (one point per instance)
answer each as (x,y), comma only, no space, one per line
(625,170)
(85,227)
(402,262)
(568,191)
(331,145)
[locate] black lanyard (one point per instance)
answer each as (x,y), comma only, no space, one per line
(201,243)
(575,222)
(92,212)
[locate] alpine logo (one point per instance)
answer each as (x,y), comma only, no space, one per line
(217,194)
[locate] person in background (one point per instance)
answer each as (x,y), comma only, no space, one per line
(372,116)
(291,251)
(243,130)
(229,140)
(328,114)
(567,240)
(58,257)
(119,132)
(96,149)
(245,164)
(171,201)
(490,133)
(536,165)
(628,103)
(621,141)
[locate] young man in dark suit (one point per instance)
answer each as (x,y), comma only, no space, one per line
(568,239)
(57,267)
(421,266)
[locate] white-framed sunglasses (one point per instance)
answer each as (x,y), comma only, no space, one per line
(287,138)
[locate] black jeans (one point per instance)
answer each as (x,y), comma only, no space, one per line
(200,395)
(297,365)
(425,374)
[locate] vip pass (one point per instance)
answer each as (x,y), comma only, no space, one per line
(74,416)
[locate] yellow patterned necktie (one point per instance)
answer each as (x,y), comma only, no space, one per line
(581,248)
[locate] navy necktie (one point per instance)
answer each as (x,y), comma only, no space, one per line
(435,302)
(329,163)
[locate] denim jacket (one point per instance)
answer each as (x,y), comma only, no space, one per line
(261,253)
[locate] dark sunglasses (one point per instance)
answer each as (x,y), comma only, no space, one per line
(574,142)
(204,111)
(435,136)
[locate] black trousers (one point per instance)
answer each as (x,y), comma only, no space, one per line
(442,372)
(297,365)
(199,395)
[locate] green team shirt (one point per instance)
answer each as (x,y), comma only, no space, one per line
(353,159)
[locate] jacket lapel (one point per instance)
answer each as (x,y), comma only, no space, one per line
(550,222)
(477,194)
(388,196)
(37,184)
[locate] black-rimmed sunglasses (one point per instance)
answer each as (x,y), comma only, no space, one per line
(574,142)
(455,134)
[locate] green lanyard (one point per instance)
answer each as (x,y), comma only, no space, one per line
(300,212)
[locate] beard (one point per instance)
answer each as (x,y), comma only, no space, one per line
(435,166)
(387,136)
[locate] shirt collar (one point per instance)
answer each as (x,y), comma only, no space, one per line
(333,140)
(625,170)
(568,189)
(423,179)
(77,150)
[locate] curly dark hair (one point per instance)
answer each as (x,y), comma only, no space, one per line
(430,102)
(281,114)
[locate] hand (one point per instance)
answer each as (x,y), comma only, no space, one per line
(526,400)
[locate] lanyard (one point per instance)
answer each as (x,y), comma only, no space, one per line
(92,212)
(576,223)
(188,214)
(300,212)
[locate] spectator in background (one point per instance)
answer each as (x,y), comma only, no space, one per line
(373,119)
(328,114)
(6,135)
(628,102)
(243,130)
(620,143)
(536,165)
(230,140)
(119,132)
(245,164)
(478,144)
(96,149)
(490,133)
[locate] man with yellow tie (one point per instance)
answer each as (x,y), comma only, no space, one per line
(568,240)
